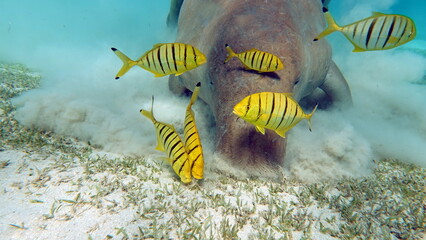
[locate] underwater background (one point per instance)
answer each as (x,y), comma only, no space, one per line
(68,43)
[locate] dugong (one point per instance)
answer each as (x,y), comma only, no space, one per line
(285,28)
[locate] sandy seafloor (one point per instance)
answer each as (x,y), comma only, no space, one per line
(55,187)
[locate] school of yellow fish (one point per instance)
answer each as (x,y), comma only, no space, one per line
(278,112)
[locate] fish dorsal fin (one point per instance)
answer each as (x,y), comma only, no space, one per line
(260,129)
(378,14)
(158,45)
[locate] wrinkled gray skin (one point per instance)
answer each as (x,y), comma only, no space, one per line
(285,28)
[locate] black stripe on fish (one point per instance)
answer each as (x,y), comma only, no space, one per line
(192,134)
(276,66)
(390,31)
(174,56)
(272,109)
(398,29)
(192,149)
(184,57)
(261,60)
(167,137)
(167,57)
(380,32)
(362,31)
(370,29)
(187,130)
(285,111)
(159,60)
(354,31)
(195,56)
(294,116)
(149,63)
(172,152)
(252,59)
(161,130)
(151,54)
(181,167)
(248,105)
(192,141)
(199,155)
(270,62)
(189,122)
(403,32)
(177,158)
(165,132)
(280,106)
(260,108)
(171,140)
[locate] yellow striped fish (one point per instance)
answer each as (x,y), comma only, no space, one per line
(276,111)
(169,141)
(164,59)
(192,140)
(378,32)
(256,60)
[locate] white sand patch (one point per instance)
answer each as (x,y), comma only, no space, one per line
(41,203)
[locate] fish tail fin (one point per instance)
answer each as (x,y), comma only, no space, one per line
(149,114)
(231,53)
(308,116)
(127,63)
(331,25)
(194,94)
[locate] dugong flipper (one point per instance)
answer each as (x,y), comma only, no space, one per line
(282,27)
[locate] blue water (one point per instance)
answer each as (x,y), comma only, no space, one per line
(26,26)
